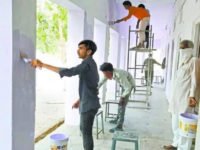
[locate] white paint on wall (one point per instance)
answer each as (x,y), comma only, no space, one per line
(99,56)
(182,26)
(82,25)
(100,40)
(6,74)
(112,58)
(75,34)
(17,78)
(123,53)
(97,9)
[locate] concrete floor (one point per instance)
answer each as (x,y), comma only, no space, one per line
(153,127)
(50,96)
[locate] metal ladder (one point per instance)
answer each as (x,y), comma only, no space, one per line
(142,92)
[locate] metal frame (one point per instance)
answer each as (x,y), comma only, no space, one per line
(107,112)
(123,136)
(146,91)
(100,112)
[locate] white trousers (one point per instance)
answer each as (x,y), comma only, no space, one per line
(182,143)
(142,27)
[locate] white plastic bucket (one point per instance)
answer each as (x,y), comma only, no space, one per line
(188,125)
(58,142)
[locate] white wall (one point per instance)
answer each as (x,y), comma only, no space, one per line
(183,26)
(123,53)
(99,56)
(93,11)
(113,58)
(100,40)
(86,22)
(76,25)
(6,74)
(17,79)
(75,34)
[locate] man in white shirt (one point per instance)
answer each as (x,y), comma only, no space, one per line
(127,84)
(149,69)
(185,95)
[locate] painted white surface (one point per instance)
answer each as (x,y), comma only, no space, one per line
(99,56)
(75,32)
(93,8)
(100,40)
(76,29)
(102,11)
(123,53)
(183,26)
(112,58)
(6,74)
(17,78)
(82,25)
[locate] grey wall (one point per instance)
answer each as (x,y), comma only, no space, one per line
(24,22)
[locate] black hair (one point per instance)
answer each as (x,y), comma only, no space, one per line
(141,5)
(127,3)
(106,67)
(90,45)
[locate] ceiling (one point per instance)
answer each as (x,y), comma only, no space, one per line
(149,1)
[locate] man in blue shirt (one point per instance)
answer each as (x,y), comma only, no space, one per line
(88,102)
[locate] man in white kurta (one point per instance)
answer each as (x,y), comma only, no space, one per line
(184,94)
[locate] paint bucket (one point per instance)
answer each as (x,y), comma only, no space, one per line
(58,142)
(188,125)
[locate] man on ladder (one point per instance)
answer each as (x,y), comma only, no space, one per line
(147,28)
(142,15)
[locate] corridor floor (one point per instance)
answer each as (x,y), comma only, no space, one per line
(153,127)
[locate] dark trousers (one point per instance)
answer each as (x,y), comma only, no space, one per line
(86,125)
(149,76)
(121,111)
(147,36)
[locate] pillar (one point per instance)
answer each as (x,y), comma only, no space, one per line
(17,88)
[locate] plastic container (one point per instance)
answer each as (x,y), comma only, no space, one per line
(58,142)
(188,125)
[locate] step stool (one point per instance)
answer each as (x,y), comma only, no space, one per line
(98,131)
(125,137)
(107,111)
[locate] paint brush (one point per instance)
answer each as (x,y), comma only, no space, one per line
(111,23)
(25,58)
